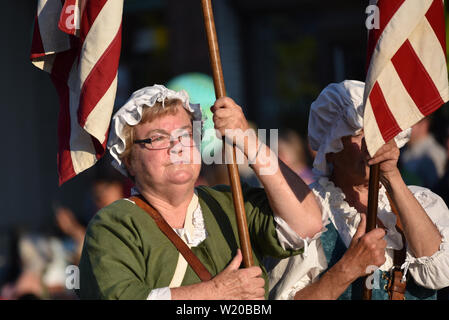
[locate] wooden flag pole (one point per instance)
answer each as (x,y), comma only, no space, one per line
(371,218)
(233,172)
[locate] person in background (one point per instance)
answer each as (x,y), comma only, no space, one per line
(292,151)
(42,263)
(104,191)
(29,265)
(442,187)
(423,156)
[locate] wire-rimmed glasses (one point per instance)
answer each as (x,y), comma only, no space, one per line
(163,141)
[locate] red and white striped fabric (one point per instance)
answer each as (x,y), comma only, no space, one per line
(78,42)
(407,75)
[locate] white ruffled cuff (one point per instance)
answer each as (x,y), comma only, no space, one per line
(431,272)
(301,284)
(289,239)
(288,276)
(160,294)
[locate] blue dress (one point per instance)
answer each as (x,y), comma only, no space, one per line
(334,249)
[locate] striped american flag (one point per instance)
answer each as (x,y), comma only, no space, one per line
(78,42)
(407,75)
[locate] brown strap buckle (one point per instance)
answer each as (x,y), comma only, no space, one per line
(396,287)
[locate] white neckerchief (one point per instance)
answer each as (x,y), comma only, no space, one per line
(194,231)
(346,219)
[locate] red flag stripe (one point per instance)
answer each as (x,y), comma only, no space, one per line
(68,17)
(99,79)
(387,10)
(385,120)
(83,66)
(90,14)
(435,17)
(404,53)
(416,80)
(37,48)
(60,73)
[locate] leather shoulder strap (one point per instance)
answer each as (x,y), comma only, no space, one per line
(397,287)
(190,257)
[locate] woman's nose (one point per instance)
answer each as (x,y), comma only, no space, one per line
(364,147)
(175,146)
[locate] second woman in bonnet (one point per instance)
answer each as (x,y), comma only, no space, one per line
(342,168)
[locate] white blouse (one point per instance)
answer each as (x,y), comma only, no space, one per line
(429,272)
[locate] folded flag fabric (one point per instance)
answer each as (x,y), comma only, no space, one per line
(78,43)
(407,75)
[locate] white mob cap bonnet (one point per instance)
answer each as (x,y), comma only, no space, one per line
(131,113)
(336,113)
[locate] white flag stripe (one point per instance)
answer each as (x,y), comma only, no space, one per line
(405,75)
(94,74)
(52,41)
(402,106)
(97,122)
(406,18)
(423,41)
(100,36)
(82,158)
(45,63)
(82,150)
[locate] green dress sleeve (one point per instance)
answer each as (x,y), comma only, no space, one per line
(112,265)
(261,224)
(260,219)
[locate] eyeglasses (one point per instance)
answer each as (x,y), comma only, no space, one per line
(165,141)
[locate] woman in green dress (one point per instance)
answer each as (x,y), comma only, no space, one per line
(126,256)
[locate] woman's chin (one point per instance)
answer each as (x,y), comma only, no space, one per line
(181,174)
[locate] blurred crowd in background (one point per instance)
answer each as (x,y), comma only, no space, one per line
(276,55)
